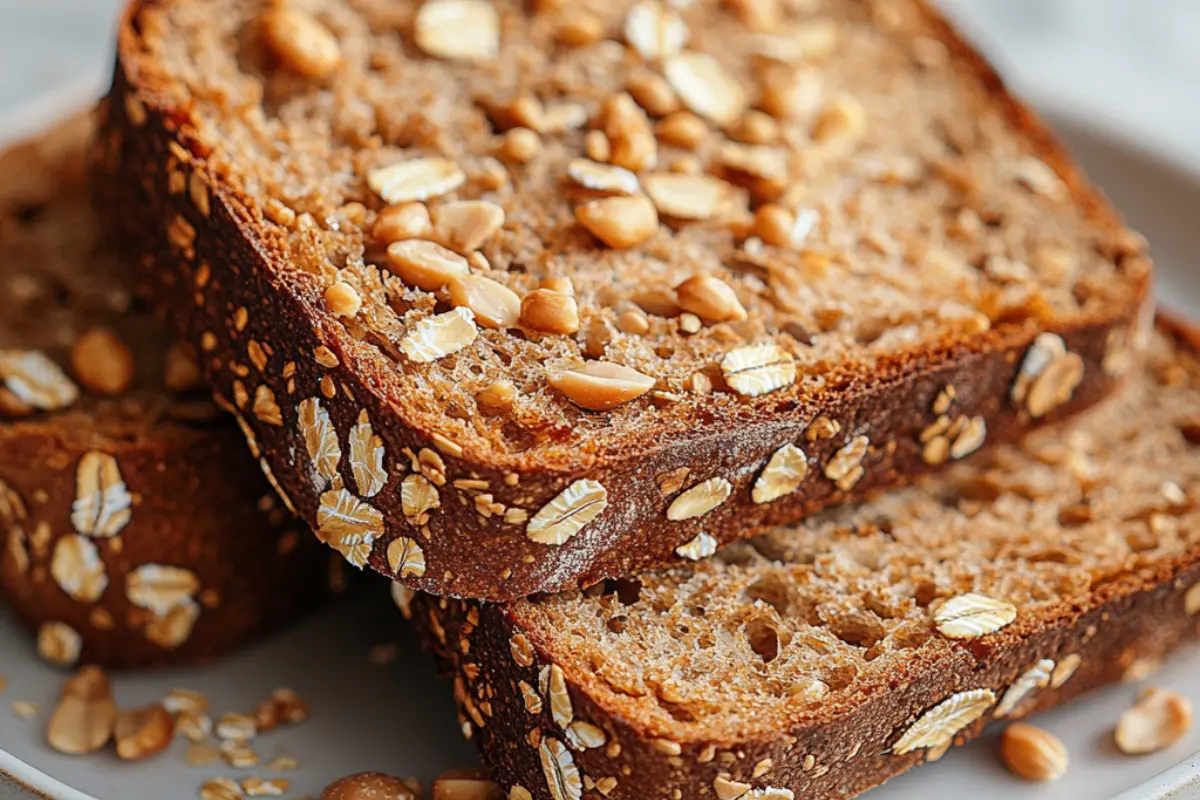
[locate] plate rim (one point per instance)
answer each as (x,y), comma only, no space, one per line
(34,780)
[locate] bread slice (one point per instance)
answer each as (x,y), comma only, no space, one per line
(134,528)
(819,661)
(575,381)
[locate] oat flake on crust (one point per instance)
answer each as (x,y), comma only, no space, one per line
(103,505)
(321,442)
(367,457)
(348,525)
(938,726)
(558,765)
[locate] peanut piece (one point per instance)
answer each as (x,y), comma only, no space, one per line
(521,145)
(710,298)
(494,304)
(426,265)
(579,29)
(369,786)
(682,129)
(102,362)
(405,221)
(633,322)
(601,386)
(558,283)
(619,221)
(303,45)
(652,92)
(497,398)
(773,224)
(1157,720)
(465,784)
(597,146)
(83,720)
(548,311)
(144,732)
(343,299)
(844,118)
(466,224)
(1032,753)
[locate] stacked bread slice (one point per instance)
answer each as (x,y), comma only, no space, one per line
(686,366)
(822,659)
(523,312)
(136,530)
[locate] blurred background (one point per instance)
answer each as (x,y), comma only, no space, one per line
(1132,66)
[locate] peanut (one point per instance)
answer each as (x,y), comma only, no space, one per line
(1032,753)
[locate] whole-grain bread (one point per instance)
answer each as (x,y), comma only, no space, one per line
(135,528)
(818,661)
(518,296)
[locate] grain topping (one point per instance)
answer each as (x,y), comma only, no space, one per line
(29,381)
(467,30)
(83,719)
(302,43)
(601,386)
(1032,753)
(1157,720)
(418,178)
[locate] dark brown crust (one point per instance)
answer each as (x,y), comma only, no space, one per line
(200,502)
(1141,616)
(1134,618)
(1131,620)
(890,403)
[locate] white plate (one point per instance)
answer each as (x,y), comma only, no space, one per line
(399,718)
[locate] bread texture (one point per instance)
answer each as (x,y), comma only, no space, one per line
(821,660)
(136,530)
(534,296)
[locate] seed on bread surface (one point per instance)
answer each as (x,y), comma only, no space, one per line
(619,221)
(548,311)
(710,298)
(601,386)
(493,304)
(30,381)
(301,42)
(971,615)
(426,265)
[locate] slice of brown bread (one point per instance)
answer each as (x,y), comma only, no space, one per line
(135,529)
(819,661)
(886,230)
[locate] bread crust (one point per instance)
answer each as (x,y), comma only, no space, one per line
(248,296)
(1139,619)
(201,504)
(195,500)
(500,655)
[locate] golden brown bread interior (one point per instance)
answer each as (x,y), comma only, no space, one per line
(821,660)
(582,251)
(135,529)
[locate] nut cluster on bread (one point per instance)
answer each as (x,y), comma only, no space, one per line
(520,261)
